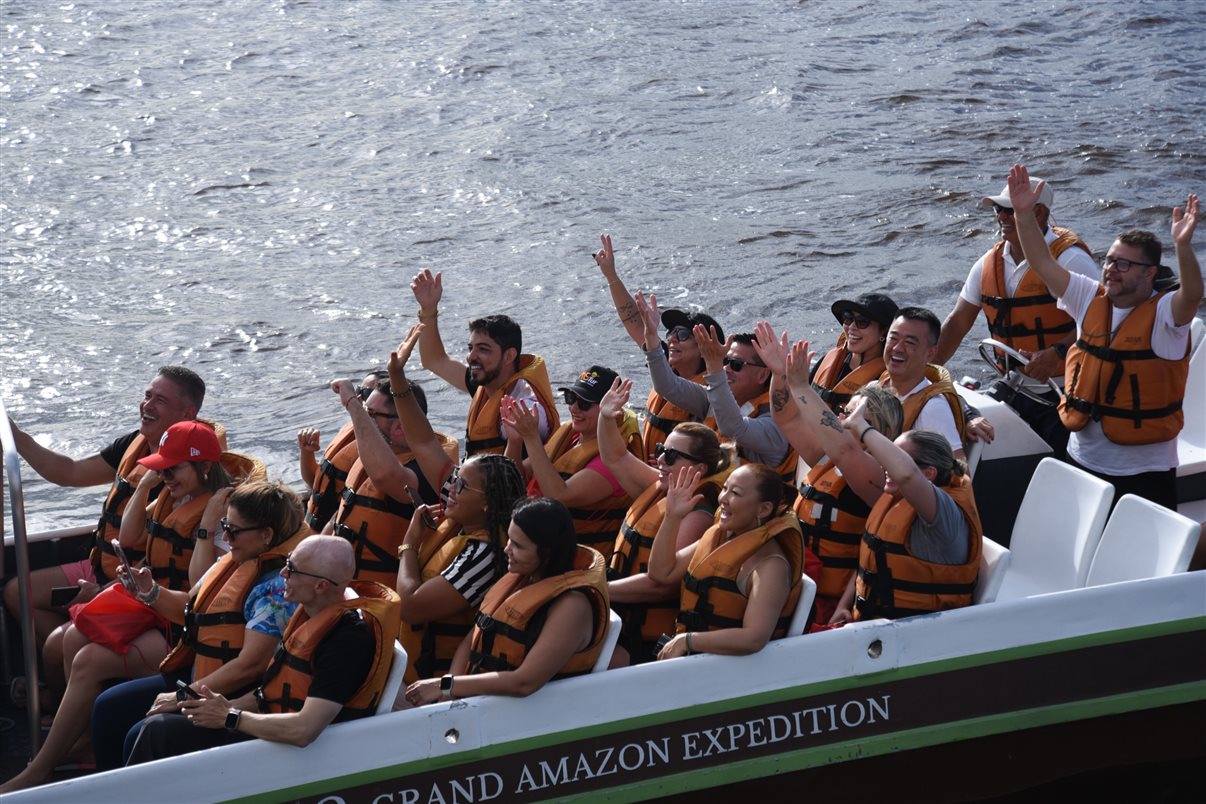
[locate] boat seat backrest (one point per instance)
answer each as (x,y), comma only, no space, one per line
(994,562)
(1056,531)
(393,681)
(1142,540)
(799,618)
(609,642)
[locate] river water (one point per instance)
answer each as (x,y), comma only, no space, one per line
(247,187)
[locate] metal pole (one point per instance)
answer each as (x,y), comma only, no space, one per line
(12,469)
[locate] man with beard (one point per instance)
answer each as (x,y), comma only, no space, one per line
(495,367)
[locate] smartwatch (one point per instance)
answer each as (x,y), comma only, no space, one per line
(232,719)
(446,687)
(202,534)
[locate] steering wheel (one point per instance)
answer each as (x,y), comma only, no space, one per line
(1006,362)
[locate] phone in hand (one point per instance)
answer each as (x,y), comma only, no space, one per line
(128,580)
(63,595)
(183,690)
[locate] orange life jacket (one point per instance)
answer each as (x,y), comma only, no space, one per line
(171,530)
(1029,319)
(481,432)
(1120,381)
(430,646)
(942,385)
(661,417)
(511,616)
(710,598)
(836,390)
(786,468)
(333,470)
(375,523)
(832,519)
(892,582)
(214,625)
(289,674)
(645,622)
(598,522)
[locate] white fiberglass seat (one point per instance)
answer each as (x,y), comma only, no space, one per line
(1142,540)
(1056,532)
(1191,441)
(808,594)
(393,682)
(609,642)
(994,562)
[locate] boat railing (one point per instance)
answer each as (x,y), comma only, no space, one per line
(16,509)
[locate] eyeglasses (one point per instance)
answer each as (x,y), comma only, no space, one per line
(363,393)
(573,399)
(1123,266)
(291,569)
(376,414)
(681,334)
(862,322)
(737,364)
(459,484)
(233,530)
(169,473)
(670,455)
(1000,210)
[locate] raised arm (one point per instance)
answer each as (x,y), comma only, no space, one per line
(1187,298)
(1034,244)
(424,443)
(205,551)
(134,520)
(667,563)
(689,396)
(433,599)
(428,290)
(582,488)
(914,486)
(307,446)
(625,304)
(383,467)
(60,469)
(633,474)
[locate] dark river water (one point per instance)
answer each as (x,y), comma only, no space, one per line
(247,187)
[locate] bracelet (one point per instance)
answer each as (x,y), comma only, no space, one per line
(350,398)
(862,439)
(690,650)
(402,549)
(429,316)
(151,595)
(402,394)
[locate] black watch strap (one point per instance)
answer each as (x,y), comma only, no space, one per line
(232,719)
(202,533)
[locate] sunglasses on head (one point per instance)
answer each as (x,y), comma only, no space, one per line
(860,321)
(573,399)
(670,455)
(737,364)
(680,334)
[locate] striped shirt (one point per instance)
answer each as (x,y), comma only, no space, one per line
(472,572)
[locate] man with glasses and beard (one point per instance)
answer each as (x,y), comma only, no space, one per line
(1021,313)
(495,367)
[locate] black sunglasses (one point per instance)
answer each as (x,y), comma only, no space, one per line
(737,364)
(670,455)
(573,399)
(233,530)
(862,322)
(291,569)
(681,333)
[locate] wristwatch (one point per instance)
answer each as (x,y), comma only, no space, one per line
(446,687)
(232,719)
(1061,349)
(202,533)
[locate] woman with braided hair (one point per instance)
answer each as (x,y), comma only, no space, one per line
(452,553)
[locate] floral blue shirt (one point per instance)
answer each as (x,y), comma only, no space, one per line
(266,609)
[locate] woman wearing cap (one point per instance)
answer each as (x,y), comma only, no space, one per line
(679,348)
(858,357)
(647,608)
(234,615)
(569,469)
(188,464)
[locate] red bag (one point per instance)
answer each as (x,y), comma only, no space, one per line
(115,617)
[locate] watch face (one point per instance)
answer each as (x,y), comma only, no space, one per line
(202,533)
(232,720)
(446,684)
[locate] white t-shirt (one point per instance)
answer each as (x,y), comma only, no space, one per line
(1090,447)
(522,391)
(936,415)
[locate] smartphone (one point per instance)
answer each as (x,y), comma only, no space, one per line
(128,581)
(183,690)
(63,595)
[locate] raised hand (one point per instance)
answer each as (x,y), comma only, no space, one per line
(519,419)
(308,439)
(398,357)
(772,350)
(856,422)
(681,498)
(710,347)
(799,361)
(648,310)
(428,290)
(613,402)
(1183,223)
(345,390)
(1021,195)
(605,258)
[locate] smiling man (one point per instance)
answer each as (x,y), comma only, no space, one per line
(494,367)
(1128,368)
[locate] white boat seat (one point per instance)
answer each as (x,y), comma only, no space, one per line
(1142,540)
(1191,441)
(609,642)
(393,682)
(994,562)
(1056,531)
(808,594)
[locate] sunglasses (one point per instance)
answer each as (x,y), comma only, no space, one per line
(363,393)
(737,364)
(670,455)
(860,321)
(1118,264)
(291,569)
(681,334)
(169,473)
(573,399)
(374,415)
(458,484)
(1000,210)
(233,530)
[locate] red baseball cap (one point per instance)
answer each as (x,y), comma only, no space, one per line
(185,441)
